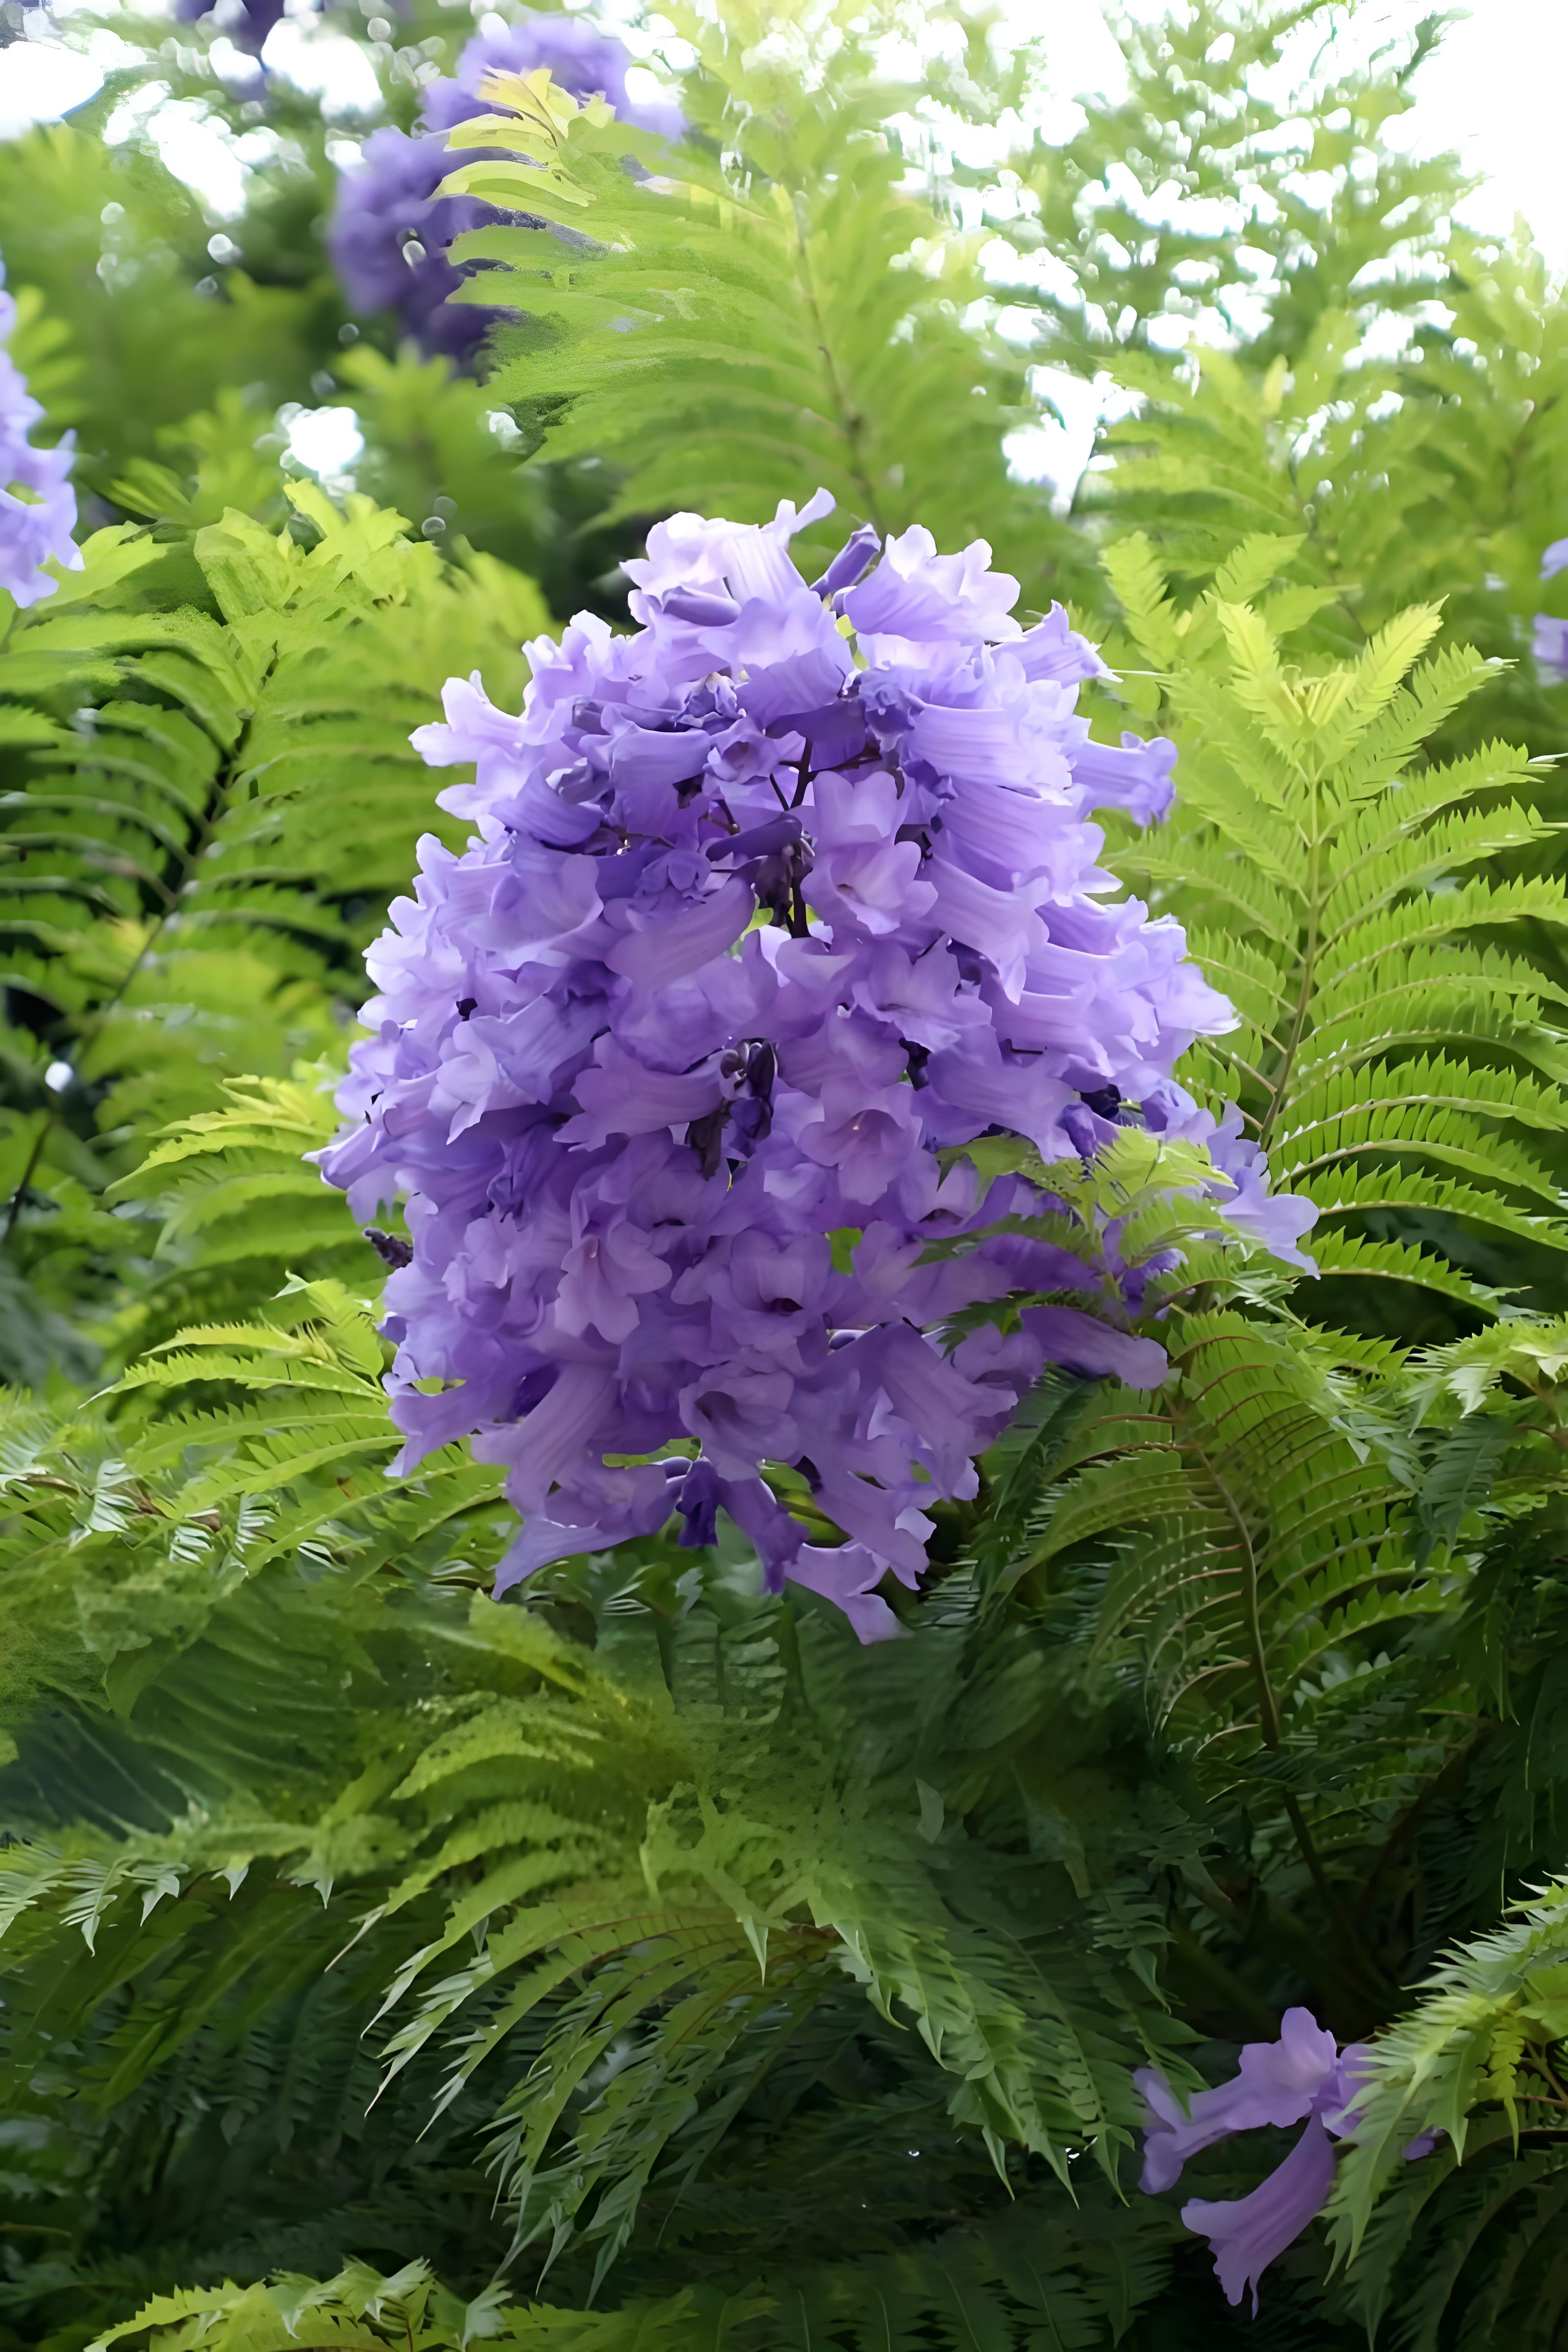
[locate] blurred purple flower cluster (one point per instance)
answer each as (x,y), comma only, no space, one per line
(1302,2078)
(247,23)
(750,933)
(1549,645)
(391,233)
(37,504)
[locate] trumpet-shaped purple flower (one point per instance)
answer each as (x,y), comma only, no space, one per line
(1304,2078)
(37,504)
(391,232)
(750,933)
(582,59)
(1247,2233)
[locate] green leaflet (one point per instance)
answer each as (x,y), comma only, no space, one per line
(209,810)
(639,1943)
(1389,1042)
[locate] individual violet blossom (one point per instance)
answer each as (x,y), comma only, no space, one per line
(391,233)
(748,934)
(1304,2078)
(37,504)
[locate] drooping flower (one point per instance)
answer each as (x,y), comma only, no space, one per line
(1304,2078)
(665,1062)
(391,233)
(37,504)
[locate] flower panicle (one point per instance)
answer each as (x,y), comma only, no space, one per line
(676,1061)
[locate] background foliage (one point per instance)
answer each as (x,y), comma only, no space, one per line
(640,1962)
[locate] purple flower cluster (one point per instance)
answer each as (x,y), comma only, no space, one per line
(1302,2078)
(37,504)
(391,232)
(753,928)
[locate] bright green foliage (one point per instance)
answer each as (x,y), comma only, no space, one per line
(996,2289)
(131,321)
(1434,477)
(1361,376)
(1398,1055)
(213,799)
(793,315)
(241,1206)
(117,244)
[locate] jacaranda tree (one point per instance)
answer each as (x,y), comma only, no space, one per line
(784,1457)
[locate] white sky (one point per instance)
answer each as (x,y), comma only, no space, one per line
(1494,91)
